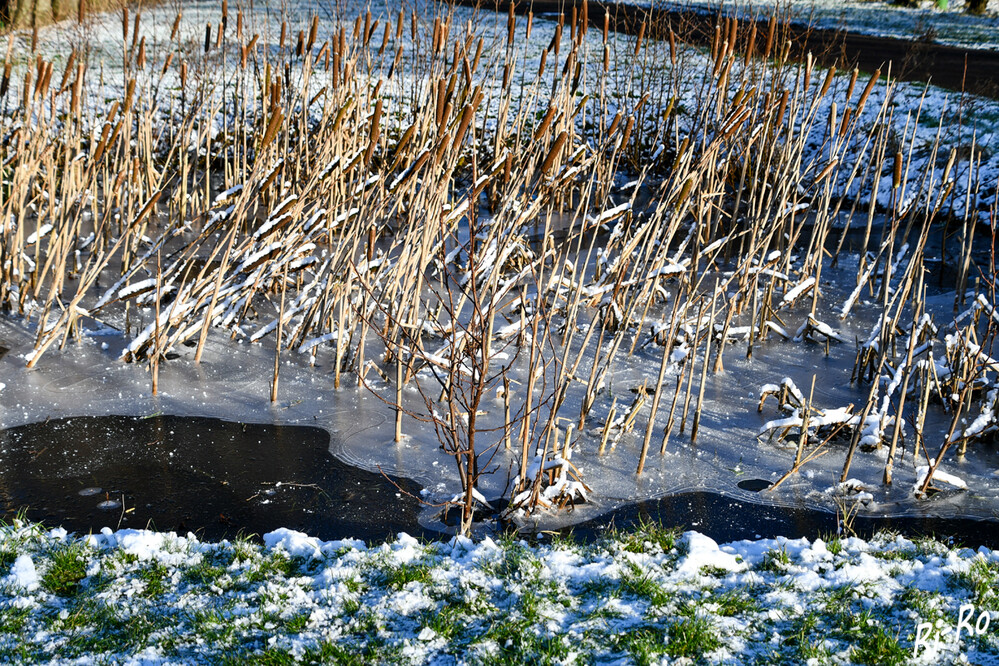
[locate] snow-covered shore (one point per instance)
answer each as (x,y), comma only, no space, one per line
(650,596)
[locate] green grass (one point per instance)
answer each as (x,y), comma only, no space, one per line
(640,584)
(879,646)
(648,536)
(980,580)
(399,577)
(692,637)
(241,603)
(67,569)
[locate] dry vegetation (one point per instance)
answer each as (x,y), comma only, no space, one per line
(415,198)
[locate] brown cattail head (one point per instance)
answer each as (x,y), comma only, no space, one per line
(641,36)
(166,64)
(272,128)
(385,37)
(553,154)
(771,32)
(313,33)
(135,31)
(511,24)
(208,38)
(896,177)
(751,44)
(69,68)
(853,83)
(847,114)
(867,90)
(828,82)
(176,26)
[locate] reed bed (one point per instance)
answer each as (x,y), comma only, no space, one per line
(472,206)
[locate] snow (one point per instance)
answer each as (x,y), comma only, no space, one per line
(431,601)
(23,574)
(938,476)
(703,551)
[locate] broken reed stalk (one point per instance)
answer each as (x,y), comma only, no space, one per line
(398,391)
(704,369)
(280,331)
(655,408)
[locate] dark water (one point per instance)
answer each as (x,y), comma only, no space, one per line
(219,479)
(725,519)
(211,477)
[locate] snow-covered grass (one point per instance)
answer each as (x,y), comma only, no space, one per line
(648,596)
(940,21)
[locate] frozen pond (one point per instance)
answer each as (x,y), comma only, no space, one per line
(622,240)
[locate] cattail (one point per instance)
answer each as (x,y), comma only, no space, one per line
(69,68)
(545,124)
(272,128)
(239,26)
(751,46)
(771,31)
(5,82)
(124,25)
(853,82)
(81,10)
(782,107)
(825,172)
(847,114)
(541,65)
(208,38)
(466,118)
(828,82)
(26,96)
(641,36)
(141,61)
(385,38)
(867,91)
(135,32)
(511,24)
(284,34)
(530,23)
(896,177)
(74,104)
(553,154)
(672,48)
(629,126)
(375,131)
(176,26)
